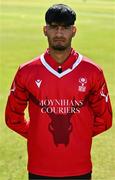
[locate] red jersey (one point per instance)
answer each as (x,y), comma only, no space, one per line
(68,105)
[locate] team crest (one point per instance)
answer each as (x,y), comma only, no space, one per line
(83,82)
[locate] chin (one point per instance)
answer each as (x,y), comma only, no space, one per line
(59,48)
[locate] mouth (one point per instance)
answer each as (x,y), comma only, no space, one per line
(59,40)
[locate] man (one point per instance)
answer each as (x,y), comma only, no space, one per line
(68,103)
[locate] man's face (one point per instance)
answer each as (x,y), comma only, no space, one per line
(59,36)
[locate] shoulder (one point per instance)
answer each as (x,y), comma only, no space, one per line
(28,70)
(90,65)
(30,66)
(32,63)
(93,70)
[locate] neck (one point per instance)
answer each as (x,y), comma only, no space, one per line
(60,56)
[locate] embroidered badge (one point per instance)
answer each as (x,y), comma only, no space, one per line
(82,87)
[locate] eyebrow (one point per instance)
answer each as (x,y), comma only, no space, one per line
(56,24)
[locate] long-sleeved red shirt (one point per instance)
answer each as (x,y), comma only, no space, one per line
(67,108)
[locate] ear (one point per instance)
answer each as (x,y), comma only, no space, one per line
(45,30)
(74,30)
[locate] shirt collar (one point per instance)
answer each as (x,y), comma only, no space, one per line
(67,63)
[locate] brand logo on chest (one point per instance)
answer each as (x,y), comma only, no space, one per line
(38,83)
(82,85)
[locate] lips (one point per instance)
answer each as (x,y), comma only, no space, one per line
(59,39)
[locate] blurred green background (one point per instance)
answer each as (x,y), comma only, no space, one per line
(21,39)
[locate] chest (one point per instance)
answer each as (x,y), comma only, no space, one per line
(69,85)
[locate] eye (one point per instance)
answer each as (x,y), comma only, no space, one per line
(66,27)
(53,26)
(56,27)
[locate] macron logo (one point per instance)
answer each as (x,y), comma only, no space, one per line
(38,83)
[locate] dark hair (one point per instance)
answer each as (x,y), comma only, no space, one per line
(61,14)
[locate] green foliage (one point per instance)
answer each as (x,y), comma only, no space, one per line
(22,39)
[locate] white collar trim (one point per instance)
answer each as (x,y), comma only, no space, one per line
(59,75)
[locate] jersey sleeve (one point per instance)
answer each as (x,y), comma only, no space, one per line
(100,105)
(16,104)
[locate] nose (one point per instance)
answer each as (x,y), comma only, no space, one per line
(59,31)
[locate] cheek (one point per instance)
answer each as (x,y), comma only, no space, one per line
(50,39)
(73,34)
(50,35)
(69,37)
